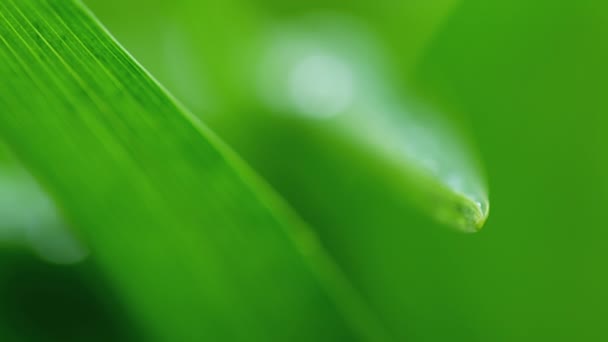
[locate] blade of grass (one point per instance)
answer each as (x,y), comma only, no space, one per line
(255,66)
(354,175)
(334,77)
(199,247)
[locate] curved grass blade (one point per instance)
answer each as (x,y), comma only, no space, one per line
(329,72)
(337,80)
(198,246)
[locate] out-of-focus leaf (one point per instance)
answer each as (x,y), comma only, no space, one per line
(329,71)
(270,86)
(199,247)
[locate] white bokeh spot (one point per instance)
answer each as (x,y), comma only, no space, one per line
(321,85)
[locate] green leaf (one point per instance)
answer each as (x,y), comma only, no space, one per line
(288,68)
(198,246)
(349,173)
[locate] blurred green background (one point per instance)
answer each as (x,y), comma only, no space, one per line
(525,81)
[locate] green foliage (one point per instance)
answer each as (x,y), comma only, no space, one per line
(193,245)
(195,242)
